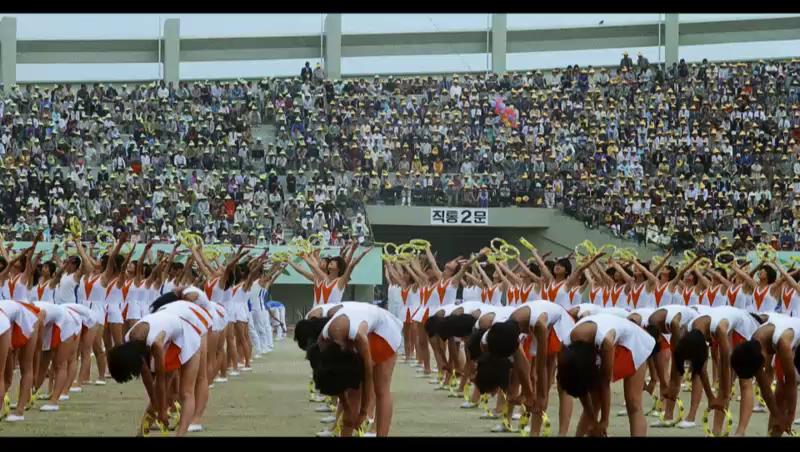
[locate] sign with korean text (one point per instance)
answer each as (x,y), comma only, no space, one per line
(459,216)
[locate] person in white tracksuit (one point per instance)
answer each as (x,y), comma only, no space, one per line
(260,327)
(277,314)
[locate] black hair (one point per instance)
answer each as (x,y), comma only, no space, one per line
(51,266)
(75,260)
(693,348)
(653,331)
(578,372)
(312,354)
(459,325)
(534,268)
(796,360)
(474,344)
(3,263)
(503,338)
(746,359)
(550,264)
(125,360)
(564,262)
(489,270)
(147,270)
(165,299)
(433,324)
(340,263)
(493,372)
(721,271)
(672,272)
(307,331)
(337,370)
(772,275)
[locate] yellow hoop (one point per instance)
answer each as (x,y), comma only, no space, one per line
(510,251)
(496,247)
(420,244)
(728,423)
(674,422)
(766,253)
(527,244)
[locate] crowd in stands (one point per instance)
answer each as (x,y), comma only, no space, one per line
(681,157)
(154,160)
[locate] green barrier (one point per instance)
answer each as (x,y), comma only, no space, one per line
(368,272)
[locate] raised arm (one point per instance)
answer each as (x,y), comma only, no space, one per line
(788,279)
(725,281)
(87,264)
(747,280)
(313,265)
(628,278)
(536,278)
(466,265)
(432,263)
(353,264)
(508,275)
(652,280)
(27,277)
(546,274)
(301,272)
(575,276)
(486,280)
(121,281)
(108,272)
(140,262)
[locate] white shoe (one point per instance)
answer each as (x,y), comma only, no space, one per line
(48,407)
(515,417)
(319,398)
(100,383)
(468,405)
(759,409)
(686,424)
(527,430)
(211,386)
(247,369)
(14,418)
(328,419)
(195,428)
(234,373)
(43,397)
(489,416)
(63,398)
(258,355)
(323,409)
(325,434)
(220,380)
(370,435)
(75,389)
(797,421)
(622,413)
(500,428)
(659,424)
(434,381)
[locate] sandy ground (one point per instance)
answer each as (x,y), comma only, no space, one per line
(272,401)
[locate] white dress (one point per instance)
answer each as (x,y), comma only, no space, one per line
(627,334)
(471,293)
(739,320)
(178,332)
(379,321)
(20,314)
(57,320)
(556,318)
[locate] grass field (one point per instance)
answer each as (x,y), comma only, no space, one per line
(272,401)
